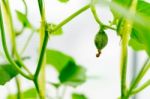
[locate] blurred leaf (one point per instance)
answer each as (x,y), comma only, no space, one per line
(7,72)
(123,3)
(63,1)
(118,17)
(56,85)
(28,94)
(145,37)
(73,74)
(141,34)
(136,35)
(143,8)
(78,96)
(136,45)
(51,26)
(136,41)
(23,19)
(57,59)
(141,24)
(69,73)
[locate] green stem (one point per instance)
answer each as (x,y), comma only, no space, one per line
(43,49)
(6,49)
(93,10)
(109,27)
(23,65)
(38,89)
(19,95)
(27,42)
(137,90)
(26,14)
(25,6)
(71,17)
(40,62)
(140,75)
(124,64)
(144,71)
(41,8)
(8,16)
(13,35)
(126,31)
(40,71)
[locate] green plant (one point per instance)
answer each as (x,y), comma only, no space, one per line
(131,23)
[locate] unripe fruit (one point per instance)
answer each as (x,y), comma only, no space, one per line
(101,41)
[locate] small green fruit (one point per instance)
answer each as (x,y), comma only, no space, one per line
(101,41)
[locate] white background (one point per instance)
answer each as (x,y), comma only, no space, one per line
(77,41)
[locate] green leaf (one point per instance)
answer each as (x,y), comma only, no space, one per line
(136,35)
(28,94)
(78,96)
(136,41)
(73,75)
(63,1)
(7,72)
(136,45)
(123,3)
(145,38)
(57,59)
(142,38)
(140,35)
(23,19)
(143,8)
(51,26)
(69,72)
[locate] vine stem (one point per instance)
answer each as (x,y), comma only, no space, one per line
(140,75)
(6,49)
(137,90)
(25,6)
(123,65)
(93,10)
(126,31)
(43,31)
(42,54)
(27,42)
(19,95)
(13,35)
(39,76)
(26,14)
(68,19)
